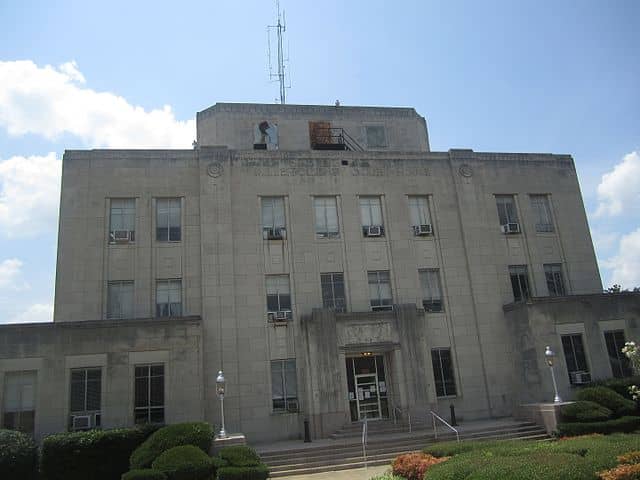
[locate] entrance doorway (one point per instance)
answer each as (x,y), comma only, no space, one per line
(367,387)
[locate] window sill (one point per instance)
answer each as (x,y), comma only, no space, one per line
(280,414)
(448,397)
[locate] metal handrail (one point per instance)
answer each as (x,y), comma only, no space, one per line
(434,415)
(395,418)
(365,433)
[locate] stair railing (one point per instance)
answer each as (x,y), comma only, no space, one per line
(435,416)
(365,428)
(398,410)
(351,142)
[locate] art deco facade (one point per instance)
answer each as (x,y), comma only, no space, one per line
(331,264)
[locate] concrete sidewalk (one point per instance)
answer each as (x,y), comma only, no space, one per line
(354,474)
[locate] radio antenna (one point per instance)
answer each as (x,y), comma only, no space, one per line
(278,74)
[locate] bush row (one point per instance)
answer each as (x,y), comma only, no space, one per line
(608,398)
(622,424)
(18,456)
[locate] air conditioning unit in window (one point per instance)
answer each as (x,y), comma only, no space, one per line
(374,230)
(420,230)
(281,316)
(511,228)
(121,236)
(580,378)
(81,422)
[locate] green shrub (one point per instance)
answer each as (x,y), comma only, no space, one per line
(584,411)
(622,424)
(606,397)
(239,456)
(144,474)
(198,434)
(256,472)
(618,385)
(186,462)
(387,476)
(96,454)
(18,456)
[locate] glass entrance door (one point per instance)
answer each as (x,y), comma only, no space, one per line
(367,387)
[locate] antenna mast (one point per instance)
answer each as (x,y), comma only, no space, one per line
(279,74)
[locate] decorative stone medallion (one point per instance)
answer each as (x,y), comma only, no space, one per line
(465,170)
(215,169)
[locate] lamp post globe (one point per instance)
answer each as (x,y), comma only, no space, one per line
(549,357)
(220,390)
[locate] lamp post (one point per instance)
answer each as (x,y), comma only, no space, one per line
(220,386)
(549,357)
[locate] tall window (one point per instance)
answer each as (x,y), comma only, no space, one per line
(333,291)
(86,389)
(168,220)
(542,213)
(278,293)
(284,389)
(380,290)
(420,218)
(20,401)
(555,282)
(519,282)
(371,215)
(120,299)
(431,292)
(575,357)
(619,362)
(273,223)
(443,372)
(122,226)
(375,136)
(149,394)
(507,213)
(169,298)
(326,212)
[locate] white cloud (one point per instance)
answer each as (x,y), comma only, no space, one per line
(625,264)
(620,188)
(38,312)
(29,195)
(11,275)
(51,101)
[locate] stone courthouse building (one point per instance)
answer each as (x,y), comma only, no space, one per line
(330,263)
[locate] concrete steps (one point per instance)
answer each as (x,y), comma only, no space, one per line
(383,446)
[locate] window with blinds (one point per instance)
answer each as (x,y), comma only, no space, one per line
(19,401)
(431,291)
(284,389)
(326,217)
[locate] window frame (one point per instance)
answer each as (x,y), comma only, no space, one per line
(541,207)
(276,228)
(169,208)
(622,362)
(25,420)
(554,278)
(385,140)
(368,199)
(383,305)
(335,304)
(120,283)
(510,217)
(131,233)
(586,368)
(149,407)
(169,304)
(520,275)
(421,211)
(432,304)
(442,382)
(294,400)
(278,294)
(326,233)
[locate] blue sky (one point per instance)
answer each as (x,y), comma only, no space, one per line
(514,76)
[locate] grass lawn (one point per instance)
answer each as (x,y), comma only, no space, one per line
(571,459)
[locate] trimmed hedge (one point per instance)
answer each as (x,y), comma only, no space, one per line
(618,385)
(144,474)
(606,397)
(571,459)
(18,456)
(186,462)
(198,434)
(584,411)
(240,456)
(95,454)
(257,472)
(622,424)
